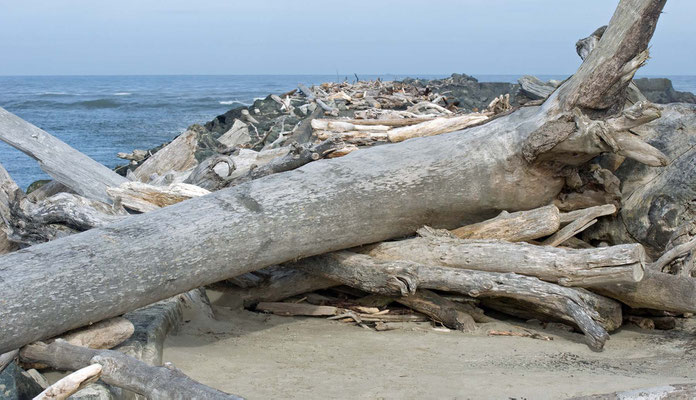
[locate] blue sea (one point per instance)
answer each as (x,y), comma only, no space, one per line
(104,115)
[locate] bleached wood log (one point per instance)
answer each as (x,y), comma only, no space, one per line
(70,384)
(123,371)
(347,149)
(102,335)
(236,136)
(135,155)
(340,126)
(377,193)
(569,267)
(307,92)
(393,122)
(597,211)
(583,221)
(7,358)
(354,137)
(179,155)
(143,197)
(514,227)
(436,126)
(63,163)
(534,88)
(404,277)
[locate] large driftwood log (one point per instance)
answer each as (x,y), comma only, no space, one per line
(404,277)
(378,193)
(569,267)
(65,164)
(123,371)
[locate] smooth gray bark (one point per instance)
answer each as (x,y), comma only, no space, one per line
(368,196)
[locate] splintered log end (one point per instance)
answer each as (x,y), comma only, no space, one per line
(611,61)
(70,384)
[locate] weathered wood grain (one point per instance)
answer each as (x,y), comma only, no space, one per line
(514,227)
(570,267)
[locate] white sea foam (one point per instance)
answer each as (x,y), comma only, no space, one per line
(122,94)
(230,102)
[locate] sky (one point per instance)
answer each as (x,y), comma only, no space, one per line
(132,37)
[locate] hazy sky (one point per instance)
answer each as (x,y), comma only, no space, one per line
(51,37)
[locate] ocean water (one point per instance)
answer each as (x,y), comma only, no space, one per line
(103,115)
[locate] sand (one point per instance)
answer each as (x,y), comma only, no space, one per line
(262,356)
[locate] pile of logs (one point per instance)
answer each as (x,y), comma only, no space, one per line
(383,204)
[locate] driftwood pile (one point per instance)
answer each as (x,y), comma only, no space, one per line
(372,202)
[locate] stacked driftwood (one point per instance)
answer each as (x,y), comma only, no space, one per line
(575,208)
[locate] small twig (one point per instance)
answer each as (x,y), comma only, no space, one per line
(528,334)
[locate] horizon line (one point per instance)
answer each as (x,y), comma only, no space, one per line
(351,75)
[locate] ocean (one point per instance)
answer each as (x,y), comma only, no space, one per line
(103,115)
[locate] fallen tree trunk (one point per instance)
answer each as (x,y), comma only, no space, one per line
(58,159)
(403,278)
(123,371)
(378,193)
(568,267)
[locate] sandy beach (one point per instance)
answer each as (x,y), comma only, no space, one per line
(266,356)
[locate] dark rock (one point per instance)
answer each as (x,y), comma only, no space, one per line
(16,384)
(37,184)
(467,93)
(661,91)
